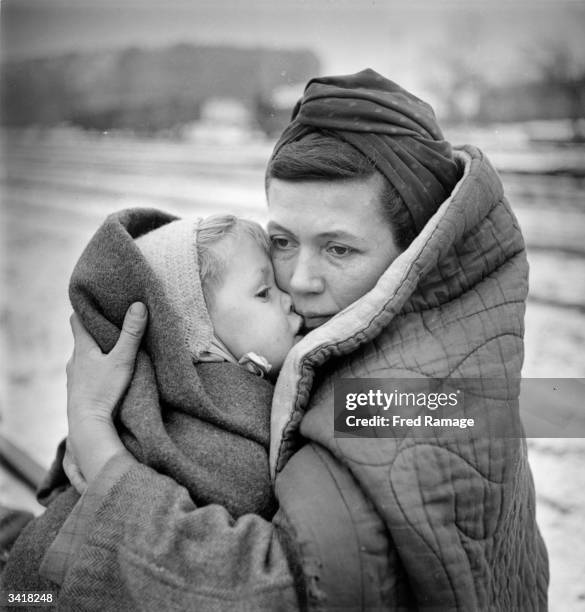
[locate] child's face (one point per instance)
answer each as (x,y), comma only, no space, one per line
(248,311)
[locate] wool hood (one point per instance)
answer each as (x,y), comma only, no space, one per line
(172,418)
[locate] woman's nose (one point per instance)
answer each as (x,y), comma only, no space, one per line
(305,277)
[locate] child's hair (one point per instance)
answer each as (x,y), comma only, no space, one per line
(212,257)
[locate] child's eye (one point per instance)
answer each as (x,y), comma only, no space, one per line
(264,293)
(339,250)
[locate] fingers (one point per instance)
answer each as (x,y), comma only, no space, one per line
(127,345)
(131,334)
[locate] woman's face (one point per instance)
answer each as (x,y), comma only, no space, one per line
(330,242)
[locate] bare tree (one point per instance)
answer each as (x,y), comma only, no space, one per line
(457,83)
(561,68)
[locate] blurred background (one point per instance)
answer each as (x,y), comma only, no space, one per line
(177,105)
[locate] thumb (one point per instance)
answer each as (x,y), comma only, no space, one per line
(133,328)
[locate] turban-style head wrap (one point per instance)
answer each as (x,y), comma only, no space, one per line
(394,129)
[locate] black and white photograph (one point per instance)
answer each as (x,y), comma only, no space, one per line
(292,306)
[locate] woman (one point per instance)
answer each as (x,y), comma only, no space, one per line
(405,261)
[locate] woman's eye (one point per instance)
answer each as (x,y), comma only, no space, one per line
(279,242)
(339,250)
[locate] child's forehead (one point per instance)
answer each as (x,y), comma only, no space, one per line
(245,251)
(246,241)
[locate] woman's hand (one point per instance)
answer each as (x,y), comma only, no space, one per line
(95,384)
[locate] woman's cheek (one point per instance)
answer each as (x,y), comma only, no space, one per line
(349,283)
(282,271)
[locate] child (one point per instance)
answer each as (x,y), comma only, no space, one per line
(217,275)
(198,406)
(252,318)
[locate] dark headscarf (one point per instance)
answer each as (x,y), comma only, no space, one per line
(394,129)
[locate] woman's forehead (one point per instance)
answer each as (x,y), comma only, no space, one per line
(334,206)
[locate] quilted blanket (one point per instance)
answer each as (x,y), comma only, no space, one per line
(410,521)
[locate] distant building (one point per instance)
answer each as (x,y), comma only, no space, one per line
(273,110)
(222,121)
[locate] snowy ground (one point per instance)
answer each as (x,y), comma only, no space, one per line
(59,186)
